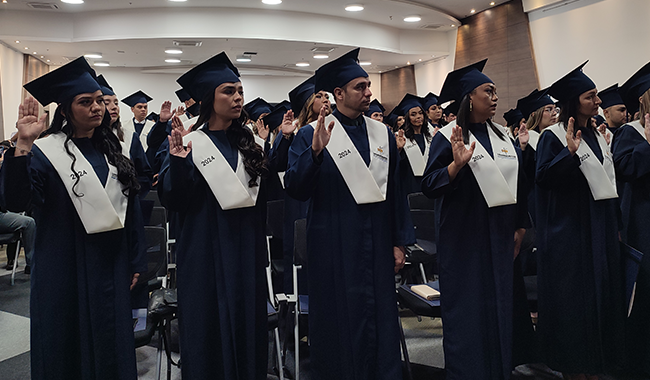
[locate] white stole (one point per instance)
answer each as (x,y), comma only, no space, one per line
(229,187)
(187,124)
(100,208)
(148,125)
(636,124)
(600,177)
(496,177)
(417,159)
(533,138)
(367,184)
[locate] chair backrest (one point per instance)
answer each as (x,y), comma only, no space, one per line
(275,218)
(156,243)
(424,222)
(158,217)
(153,196)
(300,242)
(419,201)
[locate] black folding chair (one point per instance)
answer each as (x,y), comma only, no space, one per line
(300,302)
(12,238)
(274,220)
(425,251)
(419,201)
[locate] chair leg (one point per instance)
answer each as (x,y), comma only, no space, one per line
(296,339)
(13,271)
(278,351)
(424,275)
(405,351)
(160,351)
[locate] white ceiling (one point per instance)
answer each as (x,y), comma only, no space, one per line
(275,57)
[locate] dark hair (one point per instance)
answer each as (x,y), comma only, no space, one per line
(569,109)
(241,137)
(409,132)
(462,120)
(117,127)
(103,139)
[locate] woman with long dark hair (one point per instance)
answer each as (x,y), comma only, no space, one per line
(476,173)
(213,178)
(88,249)
(631,152)
(579,273)
(418,135)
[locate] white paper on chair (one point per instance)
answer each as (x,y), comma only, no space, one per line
(426,292)
(139,319)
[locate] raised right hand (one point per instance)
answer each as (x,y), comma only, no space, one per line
(321,134)
(166,112)
(572,142)
(29,125)
(462,155)
(646,128)
(176,147)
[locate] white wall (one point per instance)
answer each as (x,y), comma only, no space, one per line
(161,87)
(612,34)
(11,81)
(429,76)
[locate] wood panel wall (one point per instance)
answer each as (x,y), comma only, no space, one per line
(502,35)
(32,69)
(395,84)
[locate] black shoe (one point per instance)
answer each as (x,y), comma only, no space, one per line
(10,265)
(28,269)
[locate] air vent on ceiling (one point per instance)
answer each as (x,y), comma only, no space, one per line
(250,53)
(187,43)
(46,6)
(322,49)
(431,26)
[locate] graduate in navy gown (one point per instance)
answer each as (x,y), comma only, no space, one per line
(221,246)
(432,110)
(353,249)
(375,111)
(631,152)
(85,258)
(580,289)
(476,267)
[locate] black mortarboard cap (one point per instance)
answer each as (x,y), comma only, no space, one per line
(451,108)
(182,95)
(300,95)
(64,83)
(463,81)
(532,102)
(408,101)
(571,85)
(257,107)
(208,75)
(600,120)
(513,116)
(284,104)
(339,72)
(103,84)
(429,100)
(634,87)
(194,109)
(137,97)
(375,106)
(153,116)
(610,97)
(390,119)
(274,119)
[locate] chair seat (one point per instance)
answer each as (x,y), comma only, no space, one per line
(10,237)
(143,337)
(418,304)
(303,304)
(425,252)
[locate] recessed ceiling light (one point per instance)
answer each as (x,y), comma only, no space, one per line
(102,64)
(408,63)
(178,1)
(173,60)
(413,18)
(420,60)
(302,64)
(42,57)
(321,56)
(365,63)
(492,3)
(93,55)
(244,58)
(48,60)
(26,48)
(173,51)
(453,26)
(354,8)
(73,1)
(34,53)
(272,2)
(17,41)
(472,11)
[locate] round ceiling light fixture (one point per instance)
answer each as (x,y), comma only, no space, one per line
(302,64)
(173,51)
(354,8)
(412,18)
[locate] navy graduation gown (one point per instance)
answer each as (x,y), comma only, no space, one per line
(475,254)
(632,161)
(141,164)
(409,181)
(580,289)
(80,305)
(293,210)
(353,322)
(221,256)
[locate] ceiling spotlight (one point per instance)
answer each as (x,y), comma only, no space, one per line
(173,51)
(272,2)
(365,63)
(4,1)
(42,57)
(26,48)
(472,11)
(73,1)
(420,60)
(354,8)
(48,60)
(173,60)
(93,55)
(102,64)
(408,63)
(492,3)
(178,1)
(244,58)
(321,56)
(302,64)
(453,26)
(34,53)
(413,18)
(17,41)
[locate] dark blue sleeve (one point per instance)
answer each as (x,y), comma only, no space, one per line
(631,155)
(21,182)
(435,180)
(523,188)
(177,182)
(136,237)
(157,136)
(554,162)
(303,168)
(279,153)
(402,225)
(141,163)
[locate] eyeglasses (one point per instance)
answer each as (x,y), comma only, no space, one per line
(551,109)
